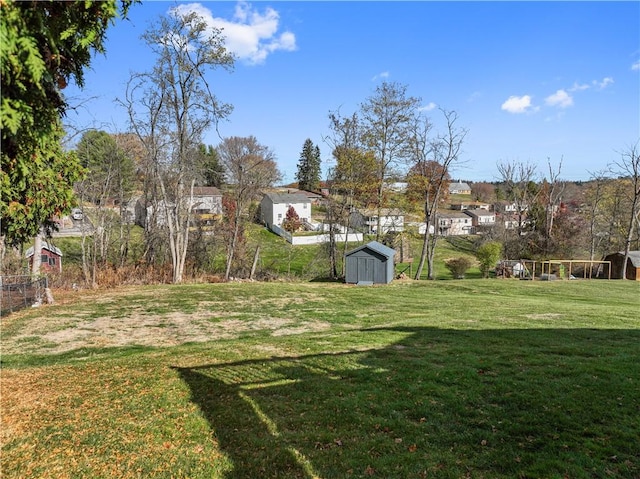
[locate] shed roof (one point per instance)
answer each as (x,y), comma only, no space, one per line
(45,245)
(206,191)
(377,247)
(280,198)
(634,257)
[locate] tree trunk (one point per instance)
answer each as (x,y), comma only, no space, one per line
(36,262)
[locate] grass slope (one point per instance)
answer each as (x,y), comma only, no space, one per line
(447,379)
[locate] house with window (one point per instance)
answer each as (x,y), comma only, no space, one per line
(50,255)
(274,206)
(205,203)
(481,219)
(459,188)
(454,223)
(391,219)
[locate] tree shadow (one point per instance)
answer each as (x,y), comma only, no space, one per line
(433,403)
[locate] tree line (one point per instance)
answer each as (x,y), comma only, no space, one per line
(162,156)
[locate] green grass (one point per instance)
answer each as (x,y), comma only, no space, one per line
(446,379)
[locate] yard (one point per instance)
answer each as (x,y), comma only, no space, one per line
(448,379)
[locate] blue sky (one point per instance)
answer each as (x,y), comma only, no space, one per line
(531,81)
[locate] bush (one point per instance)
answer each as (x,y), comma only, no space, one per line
(488,255)
(458,266)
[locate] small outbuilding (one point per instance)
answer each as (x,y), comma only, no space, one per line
(50,255)
(371,263)
(632,270)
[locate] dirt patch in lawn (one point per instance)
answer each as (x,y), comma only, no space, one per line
(59,333)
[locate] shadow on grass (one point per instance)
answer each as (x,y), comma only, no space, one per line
(434,403)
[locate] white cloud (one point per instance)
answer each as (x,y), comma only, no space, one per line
(250,36)
(604,83)
(380,75)
(518,104)
(579,87)
(560,99)
(636,66)
(428,107)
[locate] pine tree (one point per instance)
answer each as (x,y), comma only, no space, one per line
(308,174)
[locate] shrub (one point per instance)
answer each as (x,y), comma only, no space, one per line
(458,266)
(488,255)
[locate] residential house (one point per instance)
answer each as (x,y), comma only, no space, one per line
(274,206)
(481,219)
(453,223)
(471,205)
(391,219)
(50,255)
(459,188)
(205,203)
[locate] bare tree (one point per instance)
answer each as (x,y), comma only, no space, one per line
(554,195)
(250,167)
(387,117)
(594,198)
(170,109)
(518,181)
(628,167)
(432,159)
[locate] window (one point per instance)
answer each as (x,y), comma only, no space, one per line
(304,206)
(44,258)
(52,261)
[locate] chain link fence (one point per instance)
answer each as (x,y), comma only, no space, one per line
(18,292)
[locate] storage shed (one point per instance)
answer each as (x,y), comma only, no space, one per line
(50,255)
(632,271)
(371,263)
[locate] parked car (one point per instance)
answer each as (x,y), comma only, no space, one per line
(76,214)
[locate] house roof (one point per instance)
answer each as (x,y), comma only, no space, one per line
(45,245)
(452,214)
(280,198)
(459,186)
(377,247)
(478,213)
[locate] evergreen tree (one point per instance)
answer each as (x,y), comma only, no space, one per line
(308,174)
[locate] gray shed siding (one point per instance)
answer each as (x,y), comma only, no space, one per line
(371,263)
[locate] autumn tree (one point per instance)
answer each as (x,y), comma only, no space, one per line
(353,181)
(291,221)
(250,167)
(386,118)
(482,191)
(432,158)
(170,108)
(45,45)
(308,173)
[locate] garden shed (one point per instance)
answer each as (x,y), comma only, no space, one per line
(632,270)
(371,263)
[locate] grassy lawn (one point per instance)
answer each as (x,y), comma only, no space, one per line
(447,379)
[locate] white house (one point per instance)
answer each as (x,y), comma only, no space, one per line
(274,206)
(481,218)
(454,223)
(206,200)
(391,219)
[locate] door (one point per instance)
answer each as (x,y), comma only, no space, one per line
(365,270)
